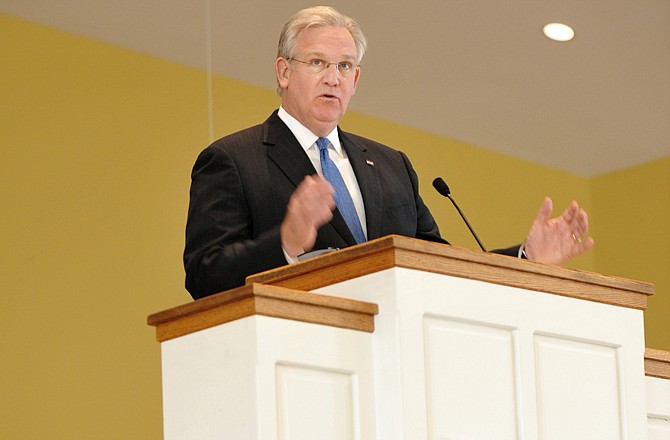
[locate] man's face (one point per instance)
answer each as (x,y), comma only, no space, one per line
(320,100)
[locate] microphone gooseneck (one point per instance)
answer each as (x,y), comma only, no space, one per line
(441,186)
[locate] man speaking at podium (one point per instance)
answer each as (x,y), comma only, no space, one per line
(295,183)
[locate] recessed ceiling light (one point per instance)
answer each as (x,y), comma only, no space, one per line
(558,32)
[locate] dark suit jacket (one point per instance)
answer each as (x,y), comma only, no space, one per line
(240,188)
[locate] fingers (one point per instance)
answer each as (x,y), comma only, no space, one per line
(583,221)
(570,213)
(309,207)
(314,200)
(587,244)
(577,221)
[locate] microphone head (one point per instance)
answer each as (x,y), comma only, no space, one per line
(441,186)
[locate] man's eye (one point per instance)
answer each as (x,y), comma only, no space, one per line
(316,63)
(344,65)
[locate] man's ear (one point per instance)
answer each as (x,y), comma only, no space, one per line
(357,75)
(283,70)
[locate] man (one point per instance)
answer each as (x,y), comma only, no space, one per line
(259,197)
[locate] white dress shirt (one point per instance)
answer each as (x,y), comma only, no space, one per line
(307,140)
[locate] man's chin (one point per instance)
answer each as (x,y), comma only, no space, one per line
(329,113)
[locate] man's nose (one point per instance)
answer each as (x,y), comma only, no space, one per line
(332,76)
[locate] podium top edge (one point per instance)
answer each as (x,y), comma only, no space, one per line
(398,251)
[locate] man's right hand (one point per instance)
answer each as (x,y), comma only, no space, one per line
(310,207)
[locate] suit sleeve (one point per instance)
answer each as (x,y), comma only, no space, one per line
(221,249)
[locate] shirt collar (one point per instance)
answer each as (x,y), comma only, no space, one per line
(305,137)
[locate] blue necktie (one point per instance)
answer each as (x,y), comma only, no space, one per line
(342,197)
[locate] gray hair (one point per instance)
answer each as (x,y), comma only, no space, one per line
(318,16)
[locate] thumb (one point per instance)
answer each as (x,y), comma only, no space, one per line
(545,211)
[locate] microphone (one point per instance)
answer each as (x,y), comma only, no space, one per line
(442,187)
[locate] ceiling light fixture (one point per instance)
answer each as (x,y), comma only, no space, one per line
(558,32)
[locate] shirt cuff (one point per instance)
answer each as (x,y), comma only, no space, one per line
(522,252)
(289,259)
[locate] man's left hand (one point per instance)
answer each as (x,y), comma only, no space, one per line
(556,240)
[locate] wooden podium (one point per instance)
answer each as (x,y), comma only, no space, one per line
(403,339)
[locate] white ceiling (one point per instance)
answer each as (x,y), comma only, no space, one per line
(475,70)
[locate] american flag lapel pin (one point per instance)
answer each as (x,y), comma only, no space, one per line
(370,163)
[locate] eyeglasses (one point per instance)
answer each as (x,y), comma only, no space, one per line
(316,66)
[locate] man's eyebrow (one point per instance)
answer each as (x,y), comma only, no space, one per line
(322,56)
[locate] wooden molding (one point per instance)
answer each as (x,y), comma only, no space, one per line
(257,299)
(657,363)
(396,251)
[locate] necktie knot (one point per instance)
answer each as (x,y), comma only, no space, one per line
(322,143)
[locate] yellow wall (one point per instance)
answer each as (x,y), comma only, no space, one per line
(633,214)
(95,142)
(98,143)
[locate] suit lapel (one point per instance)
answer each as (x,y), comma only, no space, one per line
(285,151)
(367,175)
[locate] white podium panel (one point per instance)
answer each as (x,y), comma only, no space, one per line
(323,397)
(578,389)
(464,359)
(658,408)
(268,378)
(459,357)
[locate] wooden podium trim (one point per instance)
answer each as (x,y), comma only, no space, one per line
(657,363)
(257,299)
(396,251)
